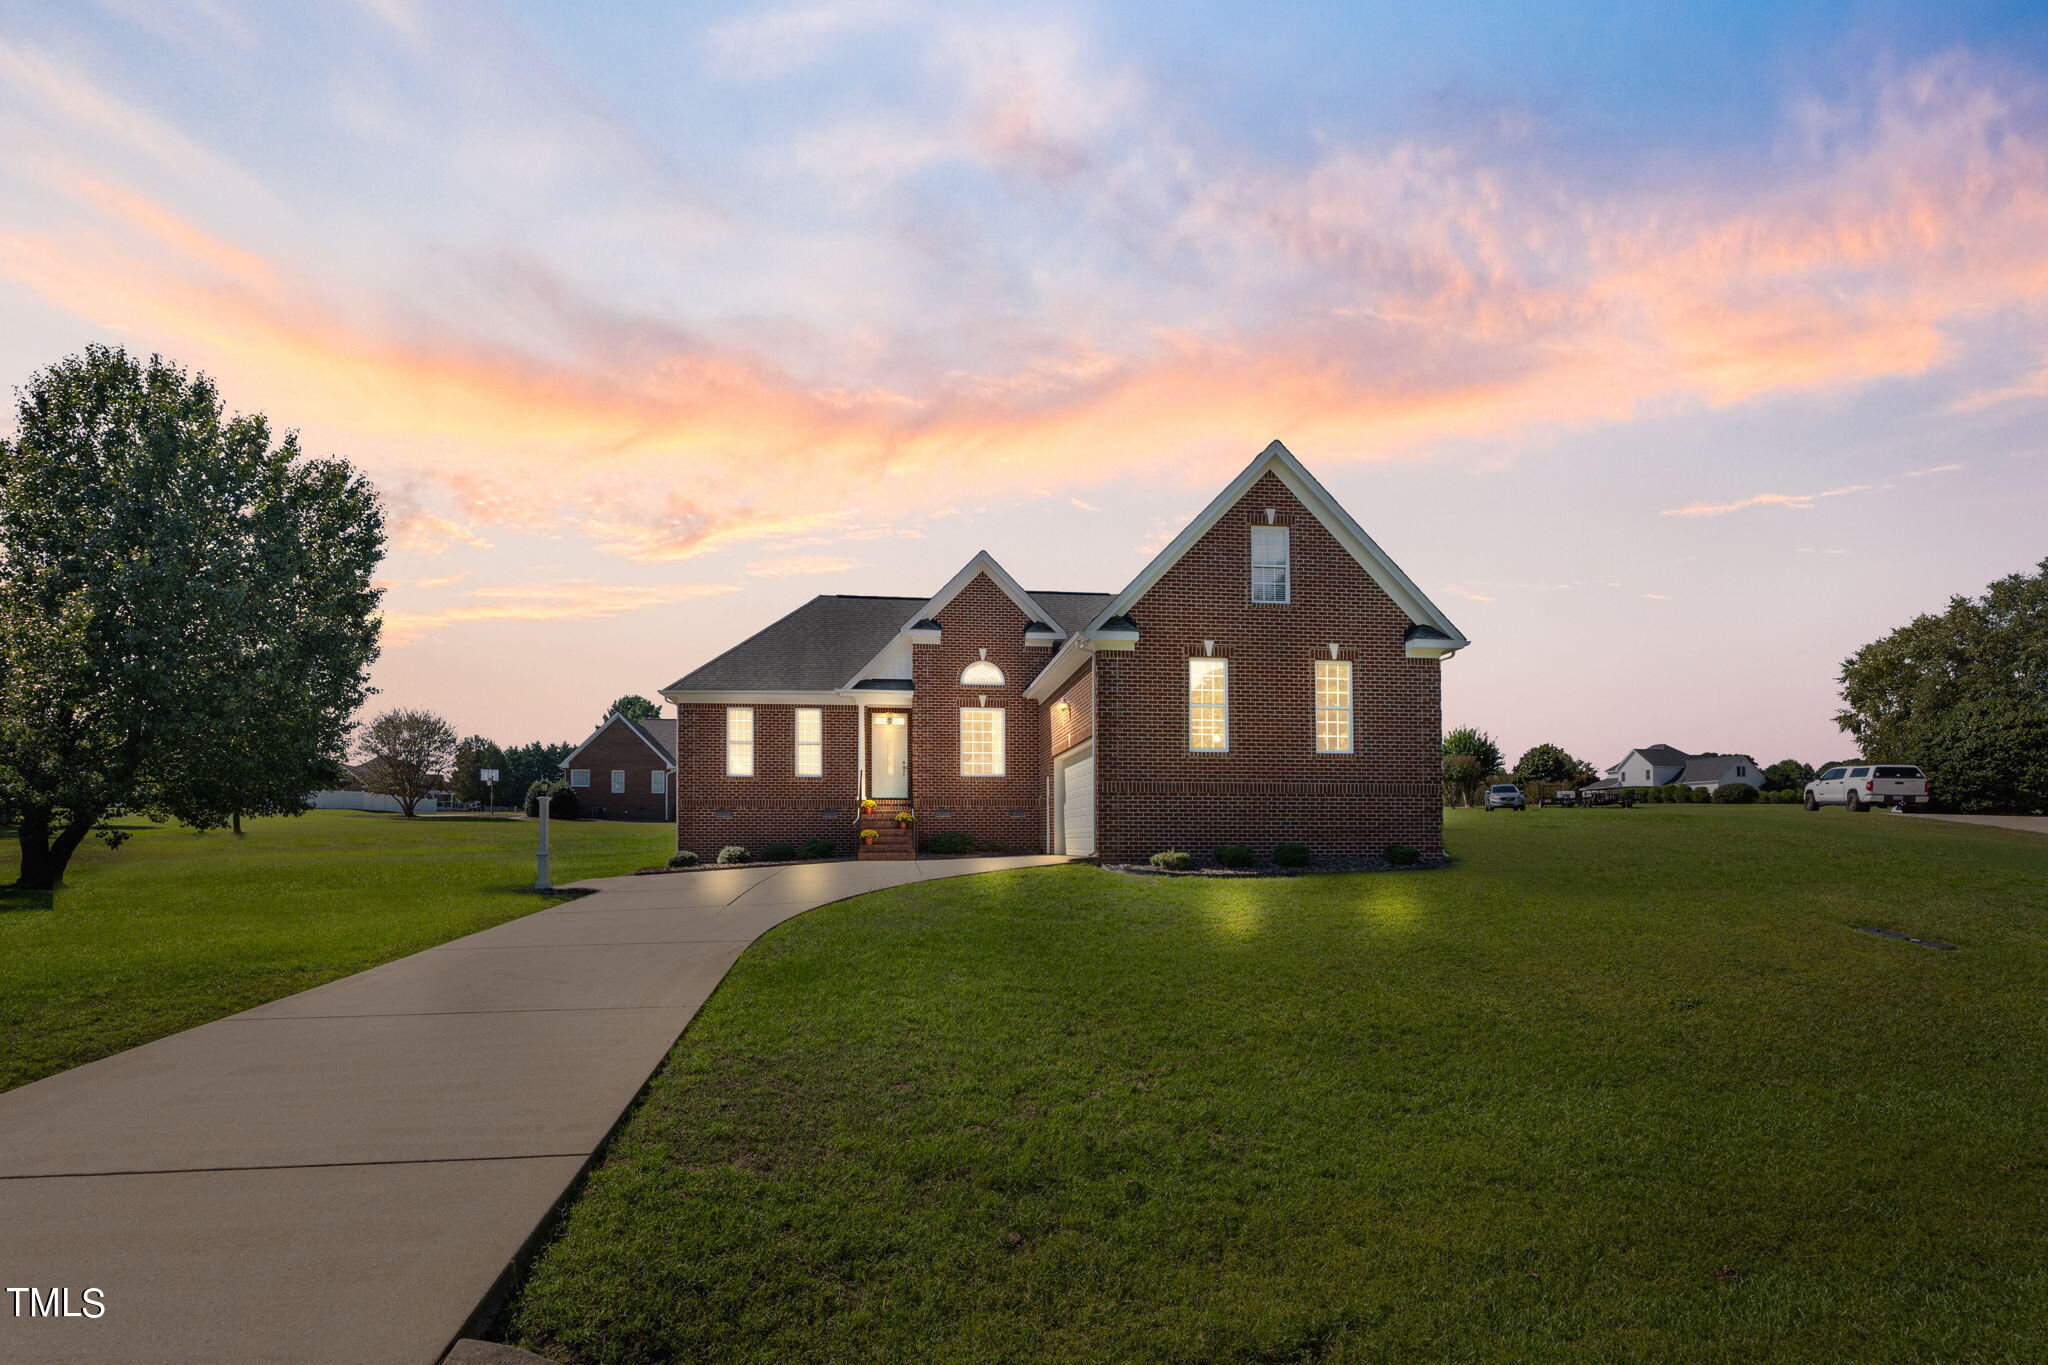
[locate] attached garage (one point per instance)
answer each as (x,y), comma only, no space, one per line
(1074,802)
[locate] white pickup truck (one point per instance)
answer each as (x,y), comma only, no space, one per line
(1863,785)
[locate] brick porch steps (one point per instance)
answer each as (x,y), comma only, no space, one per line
(893,842)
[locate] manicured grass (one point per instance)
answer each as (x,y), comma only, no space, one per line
(1621,1086)
(176,928)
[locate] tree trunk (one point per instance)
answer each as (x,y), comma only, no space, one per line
(237,821)
(43,859)
(35,873)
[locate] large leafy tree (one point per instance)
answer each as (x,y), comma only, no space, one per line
(1478,744)
(188,607)
(632,706)
(1547,763)
(406,755)
(1963,694)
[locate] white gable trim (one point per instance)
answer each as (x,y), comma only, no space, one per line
(631,729)
(897,650)
(984,562)
(1279,460)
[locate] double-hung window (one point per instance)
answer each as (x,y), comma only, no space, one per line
(618,782)
(810,742)
(1208,705)
(657,782)
(739,741)
(1333,706)
(1271,577)
(981,741)
(579,777)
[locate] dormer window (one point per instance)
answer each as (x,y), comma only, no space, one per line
(981,673)
(1271,579)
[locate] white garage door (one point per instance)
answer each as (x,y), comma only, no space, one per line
(1077,807)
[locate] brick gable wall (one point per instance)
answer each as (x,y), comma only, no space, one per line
(774,805)
(619,748)
(1010,809)
(1272,786)
(1070,712)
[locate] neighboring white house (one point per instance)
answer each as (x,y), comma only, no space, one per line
(353,795)
(1659,765)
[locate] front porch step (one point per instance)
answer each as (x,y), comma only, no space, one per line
(892,842)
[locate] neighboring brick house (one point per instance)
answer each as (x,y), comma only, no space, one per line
(625,770)
(1270,676)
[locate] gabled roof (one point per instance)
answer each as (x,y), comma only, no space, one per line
(815,648)
(1660,755)
(1716,767)
(660,731)
(982,563)
(648,732)
(1278,460)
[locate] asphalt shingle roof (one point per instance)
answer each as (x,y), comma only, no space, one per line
(815,648)
(1715,767)
(661,729)
(828,639)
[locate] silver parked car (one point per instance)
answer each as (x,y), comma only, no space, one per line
(1505,796)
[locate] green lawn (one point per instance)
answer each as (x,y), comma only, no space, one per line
(176,928)
(1623,1085)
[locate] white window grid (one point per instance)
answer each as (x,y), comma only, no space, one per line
(1333,706)
(739,741)
(579,777)
(1270,565)
(1208,705)
(981,741)
(618,782)
(810,742)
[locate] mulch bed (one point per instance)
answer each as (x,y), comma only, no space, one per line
(1210,868)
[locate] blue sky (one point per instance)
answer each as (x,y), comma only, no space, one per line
(1676,350)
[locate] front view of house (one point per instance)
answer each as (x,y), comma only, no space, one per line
(1271,676)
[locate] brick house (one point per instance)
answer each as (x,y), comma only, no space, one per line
(1270,676)
(625,770)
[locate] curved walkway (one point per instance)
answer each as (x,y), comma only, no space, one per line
(346,1174)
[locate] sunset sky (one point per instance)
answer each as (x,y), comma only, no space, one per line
(1675,350)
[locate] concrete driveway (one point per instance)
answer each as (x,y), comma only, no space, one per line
(345,1174)
(2031,824)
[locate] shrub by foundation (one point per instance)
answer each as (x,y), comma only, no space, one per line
(733,853)
(1236,855)
(1290,855)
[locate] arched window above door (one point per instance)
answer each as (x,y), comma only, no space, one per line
(981,673)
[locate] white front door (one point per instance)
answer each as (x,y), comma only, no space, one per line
(1077,807)
(889,753)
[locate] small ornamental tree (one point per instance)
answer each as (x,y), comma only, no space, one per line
(1478,744)
(186,612)
(1463,777)
(406,756)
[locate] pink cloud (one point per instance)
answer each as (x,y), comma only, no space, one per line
(801,566)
